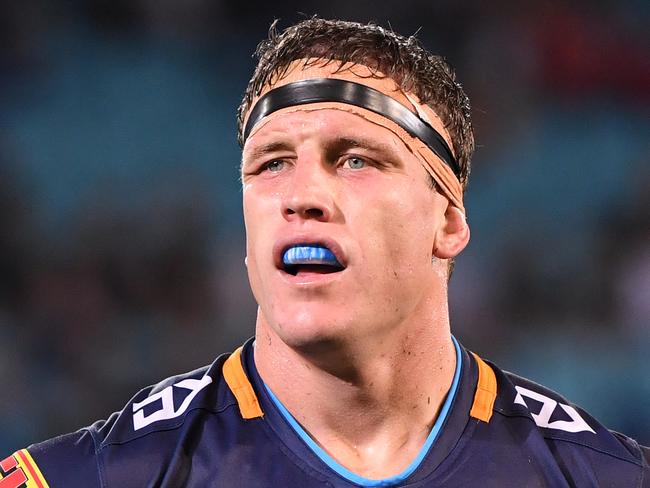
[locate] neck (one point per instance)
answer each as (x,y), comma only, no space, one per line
(370,404)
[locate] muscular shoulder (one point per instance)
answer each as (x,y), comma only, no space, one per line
(151,425)
(581,446)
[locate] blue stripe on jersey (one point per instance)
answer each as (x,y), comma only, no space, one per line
(360,480)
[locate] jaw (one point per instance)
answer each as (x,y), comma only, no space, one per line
(303,342)
(336,345)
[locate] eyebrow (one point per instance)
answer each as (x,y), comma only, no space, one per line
(386,151)
(331,146)
(352,142)
(269,148)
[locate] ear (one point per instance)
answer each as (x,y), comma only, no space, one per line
(453,234)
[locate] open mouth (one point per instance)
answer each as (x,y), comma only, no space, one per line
(310,258)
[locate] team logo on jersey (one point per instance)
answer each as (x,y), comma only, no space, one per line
(543,417)
(166,397)
(20,471)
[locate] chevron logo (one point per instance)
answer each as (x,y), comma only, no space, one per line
(166,399)
(543,417)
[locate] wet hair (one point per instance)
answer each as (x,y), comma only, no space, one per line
(402,59)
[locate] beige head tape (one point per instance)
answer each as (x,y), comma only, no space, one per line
(303,69)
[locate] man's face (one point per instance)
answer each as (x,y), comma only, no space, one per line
(332,179)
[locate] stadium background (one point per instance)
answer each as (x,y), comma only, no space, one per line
(121,258)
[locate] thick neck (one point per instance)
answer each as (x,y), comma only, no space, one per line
(369,404)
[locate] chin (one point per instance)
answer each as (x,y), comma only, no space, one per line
(308,329)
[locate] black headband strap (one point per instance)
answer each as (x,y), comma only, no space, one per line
(333,90)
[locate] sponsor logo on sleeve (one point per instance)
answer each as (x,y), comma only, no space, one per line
(543,417)
(166,398)
(20,471)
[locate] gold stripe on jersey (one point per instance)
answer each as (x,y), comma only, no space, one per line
(233,373)
(486,392)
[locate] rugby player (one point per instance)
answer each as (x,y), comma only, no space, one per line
(356,152)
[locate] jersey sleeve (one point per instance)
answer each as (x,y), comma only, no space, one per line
(645,455)
(67,461)
(642,453)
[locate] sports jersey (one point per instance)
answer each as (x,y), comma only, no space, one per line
(220,426)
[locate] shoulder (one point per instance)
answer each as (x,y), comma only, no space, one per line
(151,424)
(166,406)
(580,445)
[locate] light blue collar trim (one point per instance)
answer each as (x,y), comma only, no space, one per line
(360,480)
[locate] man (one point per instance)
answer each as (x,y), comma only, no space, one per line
(356,151)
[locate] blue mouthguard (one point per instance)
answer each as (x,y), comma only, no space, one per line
(309,254)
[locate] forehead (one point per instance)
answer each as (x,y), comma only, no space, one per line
(311,68)
(320,125)
(319,69)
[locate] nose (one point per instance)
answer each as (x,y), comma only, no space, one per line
(309,195)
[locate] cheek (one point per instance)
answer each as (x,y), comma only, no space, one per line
(256,210)
(250,225)
(406,224)
(257,235)
(396,242)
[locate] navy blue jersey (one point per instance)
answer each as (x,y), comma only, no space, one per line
(220,426)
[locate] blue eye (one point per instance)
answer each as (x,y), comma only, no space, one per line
(355,163)
(275,166)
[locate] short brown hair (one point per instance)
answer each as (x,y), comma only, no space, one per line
(403,59)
